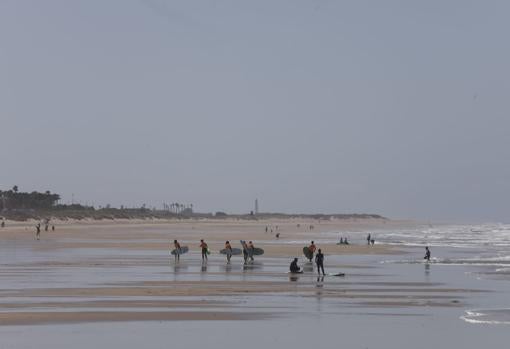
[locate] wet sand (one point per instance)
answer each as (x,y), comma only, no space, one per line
(109,272)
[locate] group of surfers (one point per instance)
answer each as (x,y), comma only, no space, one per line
(319,260)
(248,249)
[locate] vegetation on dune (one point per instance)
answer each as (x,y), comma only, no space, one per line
(21,206)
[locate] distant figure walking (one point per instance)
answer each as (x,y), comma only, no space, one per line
(369,238)
(46,227)
(319,260)
(228,247)
(277,235)
(3,224)
(294,268)
(177,247)
(52,228)
(204,247)
(38,231)
(427,254)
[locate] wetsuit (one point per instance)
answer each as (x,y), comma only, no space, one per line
(294,267)
(427,255)
(319,260)
(229,251)
(177,251)
(203,245)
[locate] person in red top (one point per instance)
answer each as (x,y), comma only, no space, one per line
(203,246)
(312,249)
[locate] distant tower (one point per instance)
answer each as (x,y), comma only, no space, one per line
(256,206)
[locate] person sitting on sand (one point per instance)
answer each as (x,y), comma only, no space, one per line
(319,260)
(177,247)
(294,268)
(203,246)
(427,254)
(228,247)
(312,249)
(251,248)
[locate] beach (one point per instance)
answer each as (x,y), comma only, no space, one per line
(110,281)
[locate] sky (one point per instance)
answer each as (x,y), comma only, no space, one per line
(399,108)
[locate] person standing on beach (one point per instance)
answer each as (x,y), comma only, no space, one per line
(319,260)
(427,254)
(38,231)
(312,249)
(177,247)
(368,239)
(228,247)
(203,246)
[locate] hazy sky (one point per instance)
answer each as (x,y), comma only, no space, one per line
(400,108)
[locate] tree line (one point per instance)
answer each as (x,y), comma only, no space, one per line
(13,199)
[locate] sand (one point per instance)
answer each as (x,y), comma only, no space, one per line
(121,271)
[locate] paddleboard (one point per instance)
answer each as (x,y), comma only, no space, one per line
(308,254)
(184,249)
(234,252)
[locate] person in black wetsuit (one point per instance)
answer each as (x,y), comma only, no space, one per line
(319,260)
(294,268)
(427,254)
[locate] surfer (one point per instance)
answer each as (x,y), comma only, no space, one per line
(427,254)
(319,260)
(245,251)
(38,231)
(177,247)
(203,246)
(369,238)
(294,268)
(228,247)
(312,249)
(251,248)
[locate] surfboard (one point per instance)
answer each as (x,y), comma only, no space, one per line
(184,249)
(308,254)
(337,274)
(235,251)
(256,251)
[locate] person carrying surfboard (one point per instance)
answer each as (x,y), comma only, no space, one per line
(319,260)
(177,247)
(245,251)
(203,246)
(294,268)
(228,247)
(312,249)
(251,248)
